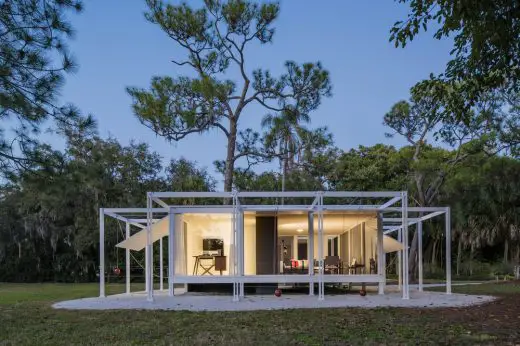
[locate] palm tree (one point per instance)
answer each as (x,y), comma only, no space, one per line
(284,136)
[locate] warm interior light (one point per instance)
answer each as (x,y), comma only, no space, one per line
(299,230)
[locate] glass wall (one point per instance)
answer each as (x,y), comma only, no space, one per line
(277,243)
(208,244)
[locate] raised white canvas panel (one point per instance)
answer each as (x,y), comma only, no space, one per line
(391,245)
(138,241)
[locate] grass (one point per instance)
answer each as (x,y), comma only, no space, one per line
(499,289)
(26,318)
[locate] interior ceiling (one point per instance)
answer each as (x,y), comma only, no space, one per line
(332,223)
(296,224)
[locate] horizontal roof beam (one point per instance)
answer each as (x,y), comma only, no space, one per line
(119,217)
(134,210)
(191,194)
(274,194)
(365,194)
(351,207)
(417,220)
(143,220)
(416,209)
(399,220)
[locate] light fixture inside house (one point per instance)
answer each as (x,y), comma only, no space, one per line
(299,230)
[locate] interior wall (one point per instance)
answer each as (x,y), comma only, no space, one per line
(201,227)
(371,236)
(370,243)
(316,246)
(180,248)
(249,244)
(266,245)
(355,237)
(343,247)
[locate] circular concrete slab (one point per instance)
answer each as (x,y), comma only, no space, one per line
(249,303)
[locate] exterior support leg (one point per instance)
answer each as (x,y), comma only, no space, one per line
(236,252)
(406,287)
(311,252)
(399,267)
(127,265)
(146,269)
(241,247)
(149,264)
(321,285)
(448,250)
(161,268)
(380,255)
(171,254)
(420,254)
(152,258)
(101,252)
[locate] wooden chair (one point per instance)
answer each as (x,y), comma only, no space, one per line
(332,264)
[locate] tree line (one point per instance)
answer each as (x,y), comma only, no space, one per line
(461,128)
(49,215)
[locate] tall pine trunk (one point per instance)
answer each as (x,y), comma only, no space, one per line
(230,157)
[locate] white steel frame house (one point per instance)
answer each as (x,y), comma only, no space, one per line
(386,205)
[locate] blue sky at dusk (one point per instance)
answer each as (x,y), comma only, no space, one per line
(116,47)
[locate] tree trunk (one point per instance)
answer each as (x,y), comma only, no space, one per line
(230,157)
(459,256)
(471,261)
(412,263)
(441,257)
(434,254)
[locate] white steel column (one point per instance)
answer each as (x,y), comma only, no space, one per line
(236,254)
(406,287)
(380,255)
(399,267)
(101,252)
(310,252)
(146,269)
(161,269)
(321,285)
(171,251)
(152,259)
(241,246)
(420,254)
(149,262)
(384,267)
(448,250)
(127,254)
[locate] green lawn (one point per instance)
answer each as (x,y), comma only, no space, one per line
(26,318)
